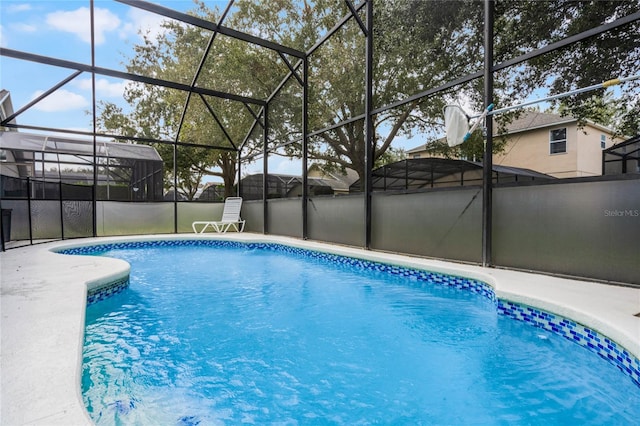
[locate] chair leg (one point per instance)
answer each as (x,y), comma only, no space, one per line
(201,231)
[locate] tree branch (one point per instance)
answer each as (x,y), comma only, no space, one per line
(394,130)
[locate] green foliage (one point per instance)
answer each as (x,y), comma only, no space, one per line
(526,25)
(391,155)
(159,113)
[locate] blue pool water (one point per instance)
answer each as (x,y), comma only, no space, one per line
(215,335)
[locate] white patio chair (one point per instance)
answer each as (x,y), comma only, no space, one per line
(230,218)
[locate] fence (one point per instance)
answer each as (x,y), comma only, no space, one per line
(583,227)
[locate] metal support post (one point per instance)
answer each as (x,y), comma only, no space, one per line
(487,171)
(368,121)
(265,171)
(305,148)
(239,188)
(94,192)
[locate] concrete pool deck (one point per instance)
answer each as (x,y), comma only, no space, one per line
(43,301)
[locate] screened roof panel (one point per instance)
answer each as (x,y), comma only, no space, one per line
(200,124)
(67,105)
(420,172)
(234,118)
(337,86)
(623,157)
(120,21)
(627,149)
(18,141)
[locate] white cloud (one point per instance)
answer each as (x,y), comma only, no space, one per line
(15,8)
(23,28)
(103,87)
(78,22)
(60,100)
(111,90)
(143,22)
(3,37)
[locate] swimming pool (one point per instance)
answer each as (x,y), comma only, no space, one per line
(410,377)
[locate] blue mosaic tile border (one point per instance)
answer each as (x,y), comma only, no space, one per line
(454,281)
(590,339)
(578,333)
(101,293)
(457,282)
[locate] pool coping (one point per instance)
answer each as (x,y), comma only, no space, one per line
(44,296)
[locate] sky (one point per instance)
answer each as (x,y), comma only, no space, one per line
(61,29)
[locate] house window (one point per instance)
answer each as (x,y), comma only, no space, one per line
(558,141)
(416,155)
(603,141)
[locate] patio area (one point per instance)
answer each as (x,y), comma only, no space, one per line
(44,299)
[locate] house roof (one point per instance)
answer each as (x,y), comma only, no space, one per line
(535,120)
(339,181)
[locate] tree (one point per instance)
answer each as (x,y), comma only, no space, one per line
(160,113)
(402,68)
(408,58)
(416,47)
(526,25)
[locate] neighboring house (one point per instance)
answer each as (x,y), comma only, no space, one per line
(287,186)
(125,171)
(281,186)
(339,181)
(550,144)
(212,191)
(58,165)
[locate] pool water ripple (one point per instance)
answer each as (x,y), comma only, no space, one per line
(209,335)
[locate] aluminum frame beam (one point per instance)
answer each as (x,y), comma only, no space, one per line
(207,25)
(197,74)
(32,57)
